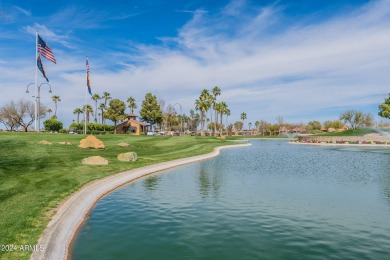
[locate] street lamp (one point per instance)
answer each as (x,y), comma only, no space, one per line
(181,118)
(38,104)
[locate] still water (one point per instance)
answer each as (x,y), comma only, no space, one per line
(272,200)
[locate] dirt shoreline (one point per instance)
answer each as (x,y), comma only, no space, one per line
(59,233)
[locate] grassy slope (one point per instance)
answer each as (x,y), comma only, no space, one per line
(34,177)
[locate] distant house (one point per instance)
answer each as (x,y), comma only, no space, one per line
(132,126)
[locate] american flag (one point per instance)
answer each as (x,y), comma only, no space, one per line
(45,50)
(88,83)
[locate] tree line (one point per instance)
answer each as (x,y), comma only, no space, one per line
(209,113)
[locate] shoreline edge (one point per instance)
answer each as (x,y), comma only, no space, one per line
(59,234)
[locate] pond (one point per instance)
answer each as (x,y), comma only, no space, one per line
(271,200)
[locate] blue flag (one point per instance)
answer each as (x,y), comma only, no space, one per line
(40,67)
(88,83)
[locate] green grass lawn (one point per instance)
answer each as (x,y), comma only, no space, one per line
(351,132)
(34,178)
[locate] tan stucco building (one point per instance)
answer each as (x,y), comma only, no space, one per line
(132,126)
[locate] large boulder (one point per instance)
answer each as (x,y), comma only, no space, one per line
(91,142)
(44,142)
(127,157)
(95,160)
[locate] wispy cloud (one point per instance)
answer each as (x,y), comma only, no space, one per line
(49,34)
(351,50)
(264,67)
(23,11)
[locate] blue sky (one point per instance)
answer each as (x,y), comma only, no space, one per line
(302,60)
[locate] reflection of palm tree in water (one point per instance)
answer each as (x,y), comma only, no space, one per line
(151,182)
(204,183)
(210,180)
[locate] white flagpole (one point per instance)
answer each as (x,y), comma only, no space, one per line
(85,104)
(36,83)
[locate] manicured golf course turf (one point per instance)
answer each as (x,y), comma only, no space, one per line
(34,178)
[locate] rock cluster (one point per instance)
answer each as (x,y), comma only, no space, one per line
(45,142)
(95,160)
(91,142)
(368,138)
(127,157)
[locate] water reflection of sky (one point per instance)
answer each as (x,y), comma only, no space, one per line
(270,192)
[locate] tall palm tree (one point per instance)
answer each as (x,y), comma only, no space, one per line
(87,109)
(243,117)
(55,99)
(216,107)
(203,104)
(216,92)
(250,126)
(222,110)
(95,98)
(132,104)
(257,124)
(106,96)
(77,112)
(102,108)
(49,111)
(227,113)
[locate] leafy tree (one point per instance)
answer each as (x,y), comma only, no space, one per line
(22,113)
(95,98)
(132,105)
(384,108)
(116,111)
(150,110)
(55,99)
(238,125)
(280,122)
(229,129)
(77,112)
(169,117)
(9,116)
(314,125)
(273,128)
(52,125)
(336,124)
(357,119)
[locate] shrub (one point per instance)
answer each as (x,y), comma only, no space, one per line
(91,127)
(52,125)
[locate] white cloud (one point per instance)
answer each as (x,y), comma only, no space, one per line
(300,71)
(23,11)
